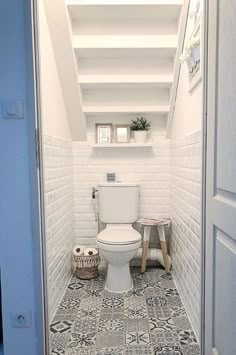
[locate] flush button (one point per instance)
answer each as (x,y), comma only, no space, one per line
(12,109)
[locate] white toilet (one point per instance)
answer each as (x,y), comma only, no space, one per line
(118,242)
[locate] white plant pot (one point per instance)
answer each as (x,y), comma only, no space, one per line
(140,136)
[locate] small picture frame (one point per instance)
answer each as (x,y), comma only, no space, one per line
(104,133)
(122,133)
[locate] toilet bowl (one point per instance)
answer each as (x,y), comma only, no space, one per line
(118,244)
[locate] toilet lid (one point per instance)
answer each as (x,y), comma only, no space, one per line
(119,236)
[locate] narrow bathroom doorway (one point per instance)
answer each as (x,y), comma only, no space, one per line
(106,70)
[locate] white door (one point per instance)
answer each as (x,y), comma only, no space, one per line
(220,306)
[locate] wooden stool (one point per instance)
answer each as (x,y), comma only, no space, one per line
(160,224)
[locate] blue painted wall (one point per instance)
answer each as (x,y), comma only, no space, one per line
(16,233)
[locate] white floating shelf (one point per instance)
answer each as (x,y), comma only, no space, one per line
(125,41)
(122,145)
(162,81)
(125,109)
(123,2)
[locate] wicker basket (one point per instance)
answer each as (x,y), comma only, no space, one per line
(87,266)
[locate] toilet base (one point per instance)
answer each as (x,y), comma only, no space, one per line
(118,278)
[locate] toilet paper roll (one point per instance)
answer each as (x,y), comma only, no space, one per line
(78,250)
(90,251)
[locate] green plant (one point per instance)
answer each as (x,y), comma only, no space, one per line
(140,124)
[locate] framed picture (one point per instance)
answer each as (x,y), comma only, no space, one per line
(195,74)
(122,133)
(104,132)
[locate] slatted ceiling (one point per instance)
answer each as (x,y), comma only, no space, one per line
(125,56)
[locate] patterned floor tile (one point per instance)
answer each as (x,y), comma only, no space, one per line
(137,338)
(58,352)
(85,325)
(182,323)
(156,312)
(157,301)
(109,325)
(80,351)
(136,324)
(113,302)
(59,341)
(191,350)
(135,312)
(168,350)
(161,324)
(81,340)
(149,320)
(139,350)
(187,337)
(109,351)
(69,306)
(165,338)
(61,326)
(110,339)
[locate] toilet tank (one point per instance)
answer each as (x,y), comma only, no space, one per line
(118,202)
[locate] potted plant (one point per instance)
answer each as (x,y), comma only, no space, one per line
(140,126)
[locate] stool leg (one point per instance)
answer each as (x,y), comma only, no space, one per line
(147,230)
(165,256)
(144,255)
(161,232)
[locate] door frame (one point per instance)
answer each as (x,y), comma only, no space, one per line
(39,253)
(204,176)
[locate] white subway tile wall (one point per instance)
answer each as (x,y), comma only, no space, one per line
(170,179)
(185,207)
(150,167)
(59,216)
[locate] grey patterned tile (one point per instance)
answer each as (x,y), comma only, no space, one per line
(110,339)
(136,324)
(109,351)
(59,341)
(168,350)
(177,311)
(153,292)
(133,302)
(191,350)
(137,338)
(112,313)
(156,312)
(80,351)
(149,320)
(157,301)
(174,301)
(86,325)
(91,303)
(139,350)
(135,312)
(187,337)
(165,338)
(109,325)
(68,306)
(57,352)
(81,340)
(61,326)
(161,324)
(182,323)
(113,302)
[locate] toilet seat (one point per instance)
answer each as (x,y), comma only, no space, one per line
(119,235)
